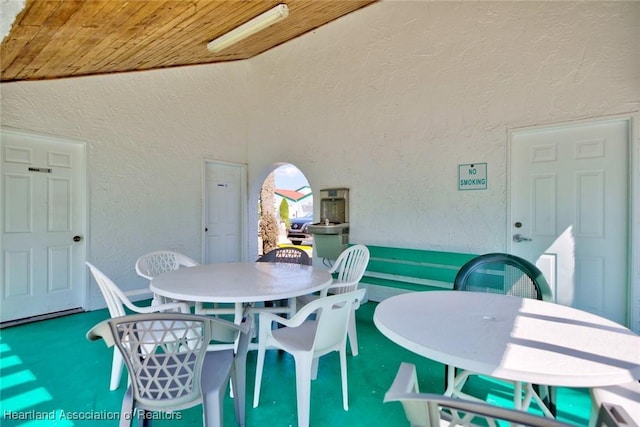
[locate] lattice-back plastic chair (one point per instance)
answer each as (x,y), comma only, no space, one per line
(504,274)
(433,410)
(155,263)
(348,271)
(169,365)
(307,339)
(288,254)
(117,301)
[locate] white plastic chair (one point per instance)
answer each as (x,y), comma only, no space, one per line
(433,410)
(612,415)
(116,302)
(170,366)
(349,269)
(307,340)
(626,395)
(155,263)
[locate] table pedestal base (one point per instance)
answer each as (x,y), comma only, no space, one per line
(457,382)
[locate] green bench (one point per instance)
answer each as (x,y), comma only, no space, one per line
(395,270)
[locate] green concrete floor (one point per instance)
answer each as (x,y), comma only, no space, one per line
(48,369)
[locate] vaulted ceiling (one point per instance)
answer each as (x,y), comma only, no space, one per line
(53,39)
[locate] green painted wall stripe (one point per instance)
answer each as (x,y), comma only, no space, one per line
(398,285)
(414,265)
(440,273)
(418,255)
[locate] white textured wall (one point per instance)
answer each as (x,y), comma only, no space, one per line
(147,136)
(386,101)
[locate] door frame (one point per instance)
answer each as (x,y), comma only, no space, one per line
(632,119)
(83,286)
(243,206)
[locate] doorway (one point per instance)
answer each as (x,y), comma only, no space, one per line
(285,209)
(569,211)
(224,208)
(43,225)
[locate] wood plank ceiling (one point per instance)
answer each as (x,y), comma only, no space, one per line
(53,39)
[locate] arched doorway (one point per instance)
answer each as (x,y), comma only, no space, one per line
(285,206)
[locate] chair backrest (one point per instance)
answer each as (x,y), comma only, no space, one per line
(349,269)
(287,255)
(332,317)
(114,297)
(428,410)
(164,353)
(503,274)
(155,263)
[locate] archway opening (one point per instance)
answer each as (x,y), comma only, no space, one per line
(285,209)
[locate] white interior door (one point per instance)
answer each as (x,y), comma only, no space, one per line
(43,223)
(224,212)
(570,196)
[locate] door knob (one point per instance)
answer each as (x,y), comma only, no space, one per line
(520,238)
(77,238)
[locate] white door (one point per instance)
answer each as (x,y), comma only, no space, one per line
(570,196)
(43,222)
(224,212)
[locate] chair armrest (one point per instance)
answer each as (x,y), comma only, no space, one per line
(611,415)
(245,337)
(226,331)
(296,320)
(140,266)
(182,307)
(425,407)
(349,287)
(101,331)
(188,262)
(135,292)
(406,381)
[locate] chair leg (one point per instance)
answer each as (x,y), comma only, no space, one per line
(303,387)
(259,366)
(239,383)
(551,391)
(217,368)
(127,411)
(343,374)
(446,377)
(146,419)
(352,333)
(212,414)
(593,417)
(314,368)
(116,369)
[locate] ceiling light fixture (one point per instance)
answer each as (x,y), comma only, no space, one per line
(249,28)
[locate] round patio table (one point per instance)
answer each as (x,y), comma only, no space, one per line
(240,283)
(512,338)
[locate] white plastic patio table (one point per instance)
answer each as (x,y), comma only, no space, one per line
(512,338)
(240,283)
